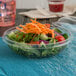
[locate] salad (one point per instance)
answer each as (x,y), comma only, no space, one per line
(37,39)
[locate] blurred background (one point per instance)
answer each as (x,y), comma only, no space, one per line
(27,5)
(21,4)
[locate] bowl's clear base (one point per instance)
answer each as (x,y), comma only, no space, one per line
(42,53)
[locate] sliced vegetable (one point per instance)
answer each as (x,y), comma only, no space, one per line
(43,37)
(34,42)
(42,44)
(53,40)
(46,42)
(57,30)
(65,36)
(60,38)
(12,36)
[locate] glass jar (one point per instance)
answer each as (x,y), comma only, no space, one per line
(7,12)
(56,5)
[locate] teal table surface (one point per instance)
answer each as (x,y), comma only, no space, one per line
(63,64)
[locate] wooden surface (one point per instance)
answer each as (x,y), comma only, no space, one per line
(22,20)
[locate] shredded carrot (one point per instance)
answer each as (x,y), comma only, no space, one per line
(20,30)
(36,28)
(52,33)
(33,37)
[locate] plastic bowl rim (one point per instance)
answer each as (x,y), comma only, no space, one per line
(58,43)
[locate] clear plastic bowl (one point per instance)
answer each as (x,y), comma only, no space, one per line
(34,50)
